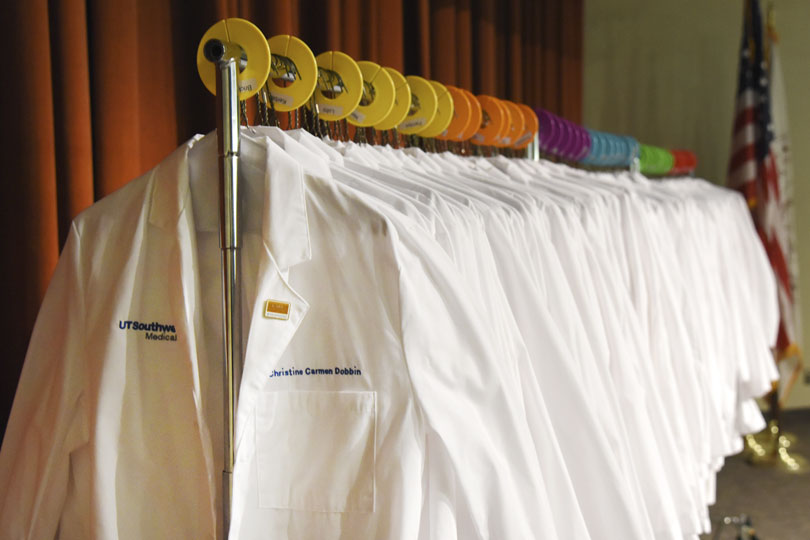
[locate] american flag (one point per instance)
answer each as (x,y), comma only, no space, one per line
(752,168)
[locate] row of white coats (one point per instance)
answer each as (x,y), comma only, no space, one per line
(470,348)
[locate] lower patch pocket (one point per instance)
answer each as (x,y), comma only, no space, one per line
(315,451)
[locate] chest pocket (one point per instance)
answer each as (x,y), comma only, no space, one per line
(315,451)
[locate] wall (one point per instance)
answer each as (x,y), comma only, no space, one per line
(665,72)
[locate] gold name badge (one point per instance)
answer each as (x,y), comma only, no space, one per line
(274,309)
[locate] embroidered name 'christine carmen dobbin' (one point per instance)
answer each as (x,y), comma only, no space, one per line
(295,372)
(153,331)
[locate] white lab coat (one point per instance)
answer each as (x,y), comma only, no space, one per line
(378,405)
(424,380)
(106,437)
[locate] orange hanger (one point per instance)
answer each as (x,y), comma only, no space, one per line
(461,115)
(518,124)
(476,114)
(531,128)
(501,140)
(493,122)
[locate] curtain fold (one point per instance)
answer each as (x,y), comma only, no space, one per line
(96,92)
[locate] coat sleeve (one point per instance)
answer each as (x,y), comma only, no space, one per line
(48,419)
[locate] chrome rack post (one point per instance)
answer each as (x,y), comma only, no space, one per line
(228,58)
(534,148)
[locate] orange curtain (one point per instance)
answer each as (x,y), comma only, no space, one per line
(96,92)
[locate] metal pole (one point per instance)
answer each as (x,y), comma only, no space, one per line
(534,148)
(229,58)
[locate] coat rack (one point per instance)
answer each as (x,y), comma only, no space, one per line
(234,61)
(240,56)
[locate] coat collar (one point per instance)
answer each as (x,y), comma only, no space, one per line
(273,194)
(183,198)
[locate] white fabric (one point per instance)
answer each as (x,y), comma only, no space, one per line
(472,348)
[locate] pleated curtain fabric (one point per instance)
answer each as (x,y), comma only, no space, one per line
(95,93)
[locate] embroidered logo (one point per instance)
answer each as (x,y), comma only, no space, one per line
(153,331)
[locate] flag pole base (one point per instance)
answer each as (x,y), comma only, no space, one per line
(772,433)
(772,449)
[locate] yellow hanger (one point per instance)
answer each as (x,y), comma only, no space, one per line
(402,101)
(444,111)
(340,85)
(424,103)
(293,73)
(378,96)
(256,56)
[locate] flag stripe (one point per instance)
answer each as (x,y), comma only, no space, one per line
(743,156)
(744,118)
(753,167)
